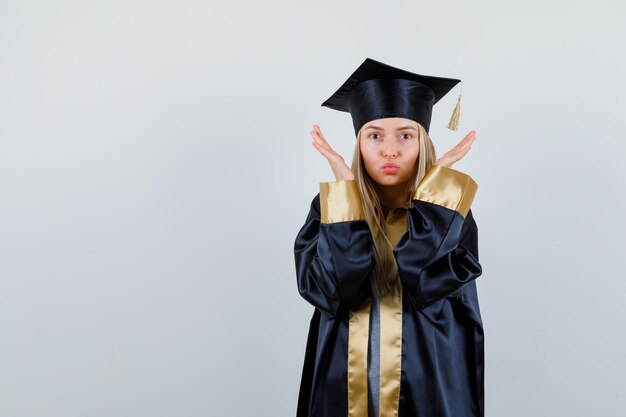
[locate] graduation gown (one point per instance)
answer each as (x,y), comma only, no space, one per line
(431,335)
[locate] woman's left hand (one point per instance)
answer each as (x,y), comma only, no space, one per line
(458,152)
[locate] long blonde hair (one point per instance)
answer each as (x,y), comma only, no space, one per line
(384,278)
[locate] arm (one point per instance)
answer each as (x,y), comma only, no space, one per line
(334,250)
(439,252)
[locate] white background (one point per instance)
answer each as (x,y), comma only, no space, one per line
(156,166)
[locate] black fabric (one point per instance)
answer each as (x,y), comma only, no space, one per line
(333,262)
(442,347)
(442,264)
(376,90)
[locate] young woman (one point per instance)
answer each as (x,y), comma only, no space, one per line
(388,256)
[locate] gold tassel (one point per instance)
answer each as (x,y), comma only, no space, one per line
(456,114)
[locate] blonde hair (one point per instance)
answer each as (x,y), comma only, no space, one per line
(384,278)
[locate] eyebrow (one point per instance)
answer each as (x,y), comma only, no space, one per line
(380,128)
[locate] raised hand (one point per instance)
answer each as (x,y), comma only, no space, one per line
(341,170)
(458,152)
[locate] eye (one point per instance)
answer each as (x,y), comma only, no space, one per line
(408,136)
(374,134)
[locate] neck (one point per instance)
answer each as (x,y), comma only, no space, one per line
(392,196)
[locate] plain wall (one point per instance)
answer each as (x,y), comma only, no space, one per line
(156,166)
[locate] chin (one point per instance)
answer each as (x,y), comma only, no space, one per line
(390,180)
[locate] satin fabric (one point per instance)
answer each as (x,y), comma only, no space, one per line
(381,98)
(447,187)
(338,197)
(376,90)
(442,367)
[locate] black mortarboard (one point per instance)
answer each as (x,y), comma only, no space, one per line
(376,91)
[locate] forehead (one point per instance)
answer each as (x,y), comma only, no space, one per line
(390,123)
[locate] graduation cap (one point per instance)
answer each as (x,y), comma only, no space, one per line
(376,91)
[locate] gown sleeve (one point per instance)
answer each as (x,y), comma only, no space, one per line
(334,250)
(439,252)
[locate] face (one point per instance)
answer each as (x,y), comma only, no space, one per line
(390,148)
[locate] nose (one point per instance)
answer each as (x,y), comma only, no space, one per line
(390,150)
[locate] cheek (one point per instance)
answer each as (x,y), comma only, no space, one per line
(412,159)
(416,155)
(368,155)
(369,161)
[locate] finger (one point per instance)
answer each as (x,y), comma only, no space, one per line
(321,149)
(459,155)
(319,133)
(464,143)
(469,138)
(321,142)
(316,133)
(320,139)
(317,129)
(330,152)
(457,152)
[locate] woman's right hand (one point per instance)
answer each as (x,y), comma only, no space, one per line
(341,170)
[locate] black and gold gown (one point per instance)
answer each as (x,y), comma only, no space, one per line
(429,337)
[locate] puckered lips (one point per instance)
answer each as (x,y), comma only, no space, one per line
(390,168)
